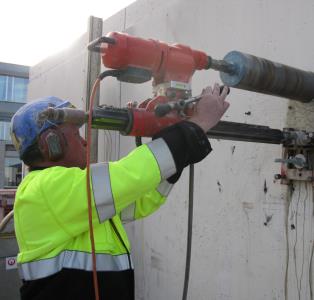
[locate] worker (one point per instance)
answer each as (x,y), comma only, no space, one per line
(50,210)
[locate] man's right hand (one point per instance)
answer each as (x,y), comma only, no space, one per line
(209,110)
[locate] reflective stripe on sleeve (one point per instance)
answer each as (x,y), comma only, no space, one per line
(102,191)
(164,188)
(72,260)
(164,157)
(128,213)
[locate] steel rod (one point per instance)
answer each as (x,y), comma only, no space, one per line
(246,133)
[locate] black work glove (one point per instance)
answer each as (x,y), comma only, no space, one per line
(188,144)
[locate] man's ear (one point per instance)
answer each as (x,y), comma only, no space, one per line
(52,144)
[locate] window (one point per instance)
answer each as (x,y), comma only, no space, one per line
(3,87)
(5,131)
(12,172)
(13,88)
(20,89)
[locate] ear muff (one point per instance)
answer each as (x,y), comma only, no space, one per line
(52,144)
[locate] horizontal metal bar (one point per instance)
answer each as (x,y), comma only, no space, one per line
(246,133)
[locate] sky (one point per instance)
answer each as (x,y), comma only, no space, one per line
(31,30)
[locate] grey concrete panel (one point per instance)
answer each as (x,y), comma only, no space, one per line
(147,10)
(115,22)
(62,75)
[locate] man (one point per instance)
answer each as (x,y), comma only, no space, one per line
(50,210)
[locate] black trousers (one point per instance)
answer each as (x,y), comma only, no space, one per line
(71,284)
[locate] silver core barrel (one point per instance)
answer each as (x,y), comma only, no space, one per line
(260,75)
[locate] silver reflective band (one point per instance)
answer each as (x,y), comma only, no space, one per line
(164,188)
(128,213)
(164,158)
(102,191)
(72,260)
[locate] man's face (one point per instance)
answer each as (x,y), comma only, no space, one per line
(75,149)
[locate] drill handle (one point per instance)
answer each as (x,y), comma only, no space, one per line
(181,105)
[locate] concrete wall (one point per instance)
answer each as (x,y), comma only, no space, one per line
(236,253)
(62,75)
(242,217)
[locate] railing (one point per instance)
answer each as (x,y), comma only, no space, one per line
(6,210)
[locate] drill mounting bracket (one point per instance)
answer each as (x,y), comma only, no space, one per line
(297,162)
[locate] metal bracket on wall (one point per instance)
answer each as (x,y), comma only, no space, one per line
(297,162)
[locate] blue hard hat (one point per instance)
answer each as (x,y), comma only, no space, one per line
(25,126)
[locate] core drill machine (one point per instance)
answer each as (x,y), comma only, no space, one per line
(136,60)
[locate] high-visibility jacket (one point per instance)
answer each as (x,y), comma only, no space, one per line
(50,212)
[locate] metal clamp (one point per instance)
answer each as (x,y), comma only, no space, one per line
(298,161)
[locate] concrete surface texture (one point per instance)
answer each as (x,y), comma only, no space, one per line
(252,237)
(62,75)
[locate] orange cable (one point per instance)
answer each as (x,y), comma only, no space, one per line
(89,198)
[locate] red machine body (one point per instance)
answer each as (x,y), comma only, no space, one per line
(171,67)
(146,124)
(166,62)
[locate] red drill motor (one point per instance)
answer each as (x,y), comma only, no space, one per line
(136,60)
